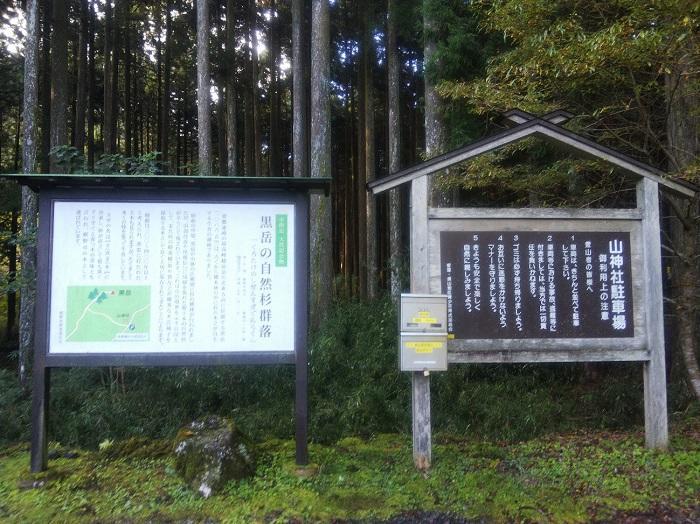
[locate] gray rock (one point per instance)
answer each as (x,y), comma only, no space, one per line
(210,452)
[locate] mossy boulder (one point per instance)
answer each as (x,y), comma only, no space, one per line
(210,452)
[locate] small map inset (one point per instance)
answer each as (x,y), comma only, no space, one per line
(108,313)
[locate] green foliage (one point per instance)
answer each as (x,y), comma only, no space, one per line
(607,62)
(604,61)
(69,159)
(72,160)
(142,165)
(14,409)
(355,386)
(586,477)
(355,389)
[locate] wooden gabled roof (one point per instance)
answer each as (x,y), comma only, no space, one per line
(546,127)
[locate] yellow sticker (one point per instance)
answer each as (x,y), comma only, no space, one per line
(424,318)
(425,347)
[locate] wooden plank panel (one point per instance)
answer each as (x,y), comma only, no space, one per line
(524,356)
(535,213)
(579,345)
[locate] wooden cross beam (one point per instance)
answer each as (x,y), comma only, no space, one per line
(558,117)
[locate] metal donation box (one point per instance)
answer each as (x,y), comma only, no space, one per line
(423,339)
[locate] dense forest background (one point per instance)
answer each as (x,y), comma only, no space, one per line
(354,91)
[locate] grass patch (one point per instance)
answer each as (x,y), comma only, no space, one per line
(578,477)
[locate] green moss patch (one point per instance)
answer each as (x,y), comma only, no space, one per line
(580,477)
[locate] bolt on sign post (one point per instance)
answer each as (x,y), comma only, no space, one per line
(542,285)
(170,271)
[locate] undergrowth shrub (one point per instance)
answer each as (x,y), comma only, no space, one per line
(355,389)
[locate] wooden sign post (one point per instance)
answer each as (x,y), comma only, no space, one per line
(542,285)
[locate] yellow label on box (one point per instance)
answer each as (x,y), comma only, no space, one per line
(424,318)
(425,347)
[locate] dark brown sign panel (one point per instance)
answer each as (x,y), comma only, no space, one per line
(536,284)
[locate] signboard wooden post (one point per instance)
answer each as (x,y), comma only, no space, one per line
(170,276)
(542,285)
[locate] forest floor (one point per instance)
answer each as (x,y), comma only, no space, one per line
(580,477)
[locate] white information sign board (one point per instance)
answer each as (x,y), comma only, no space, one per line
(169,277)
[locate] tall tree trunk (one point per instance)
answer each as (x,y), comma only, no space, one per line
(683,132)
(221,128)
(59,79)
(82,80)
(275,127)
(257,131)
(45,88)
(128,109)
(165,100)
(29,201)
(321,248)
(362,154)
(300,101)
(203,85)
(347,207)
(91,91)
(120,12)
(434,126)
(249,159)
(354,248)
(159,72)
(394,143)
(231,93)
(248,122)
(370,206)
(108,103)
(18,132)
(178,140)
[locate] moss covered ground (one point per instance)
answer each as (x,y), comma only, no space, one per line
(578,477)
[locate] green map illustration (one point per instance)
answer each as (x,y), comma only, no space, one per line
(117,313)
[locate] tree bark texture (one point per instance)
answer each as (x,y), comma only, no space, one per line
(128,106)
(434,126)
(45,88)
(257,131)
(120,7)
(275,124)
(321,248)
(203,95)
(300,104)
(82,80)
(91,91)
(59,78)
(165,97)
(683,133)
(369,149)
(231,93)
(394,143)
(360,195)
(108,107)
(29,200)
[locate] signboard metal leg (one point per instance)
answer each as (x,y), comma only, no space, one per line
(655,410)
(301,408)
(40,410)
(420,402)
